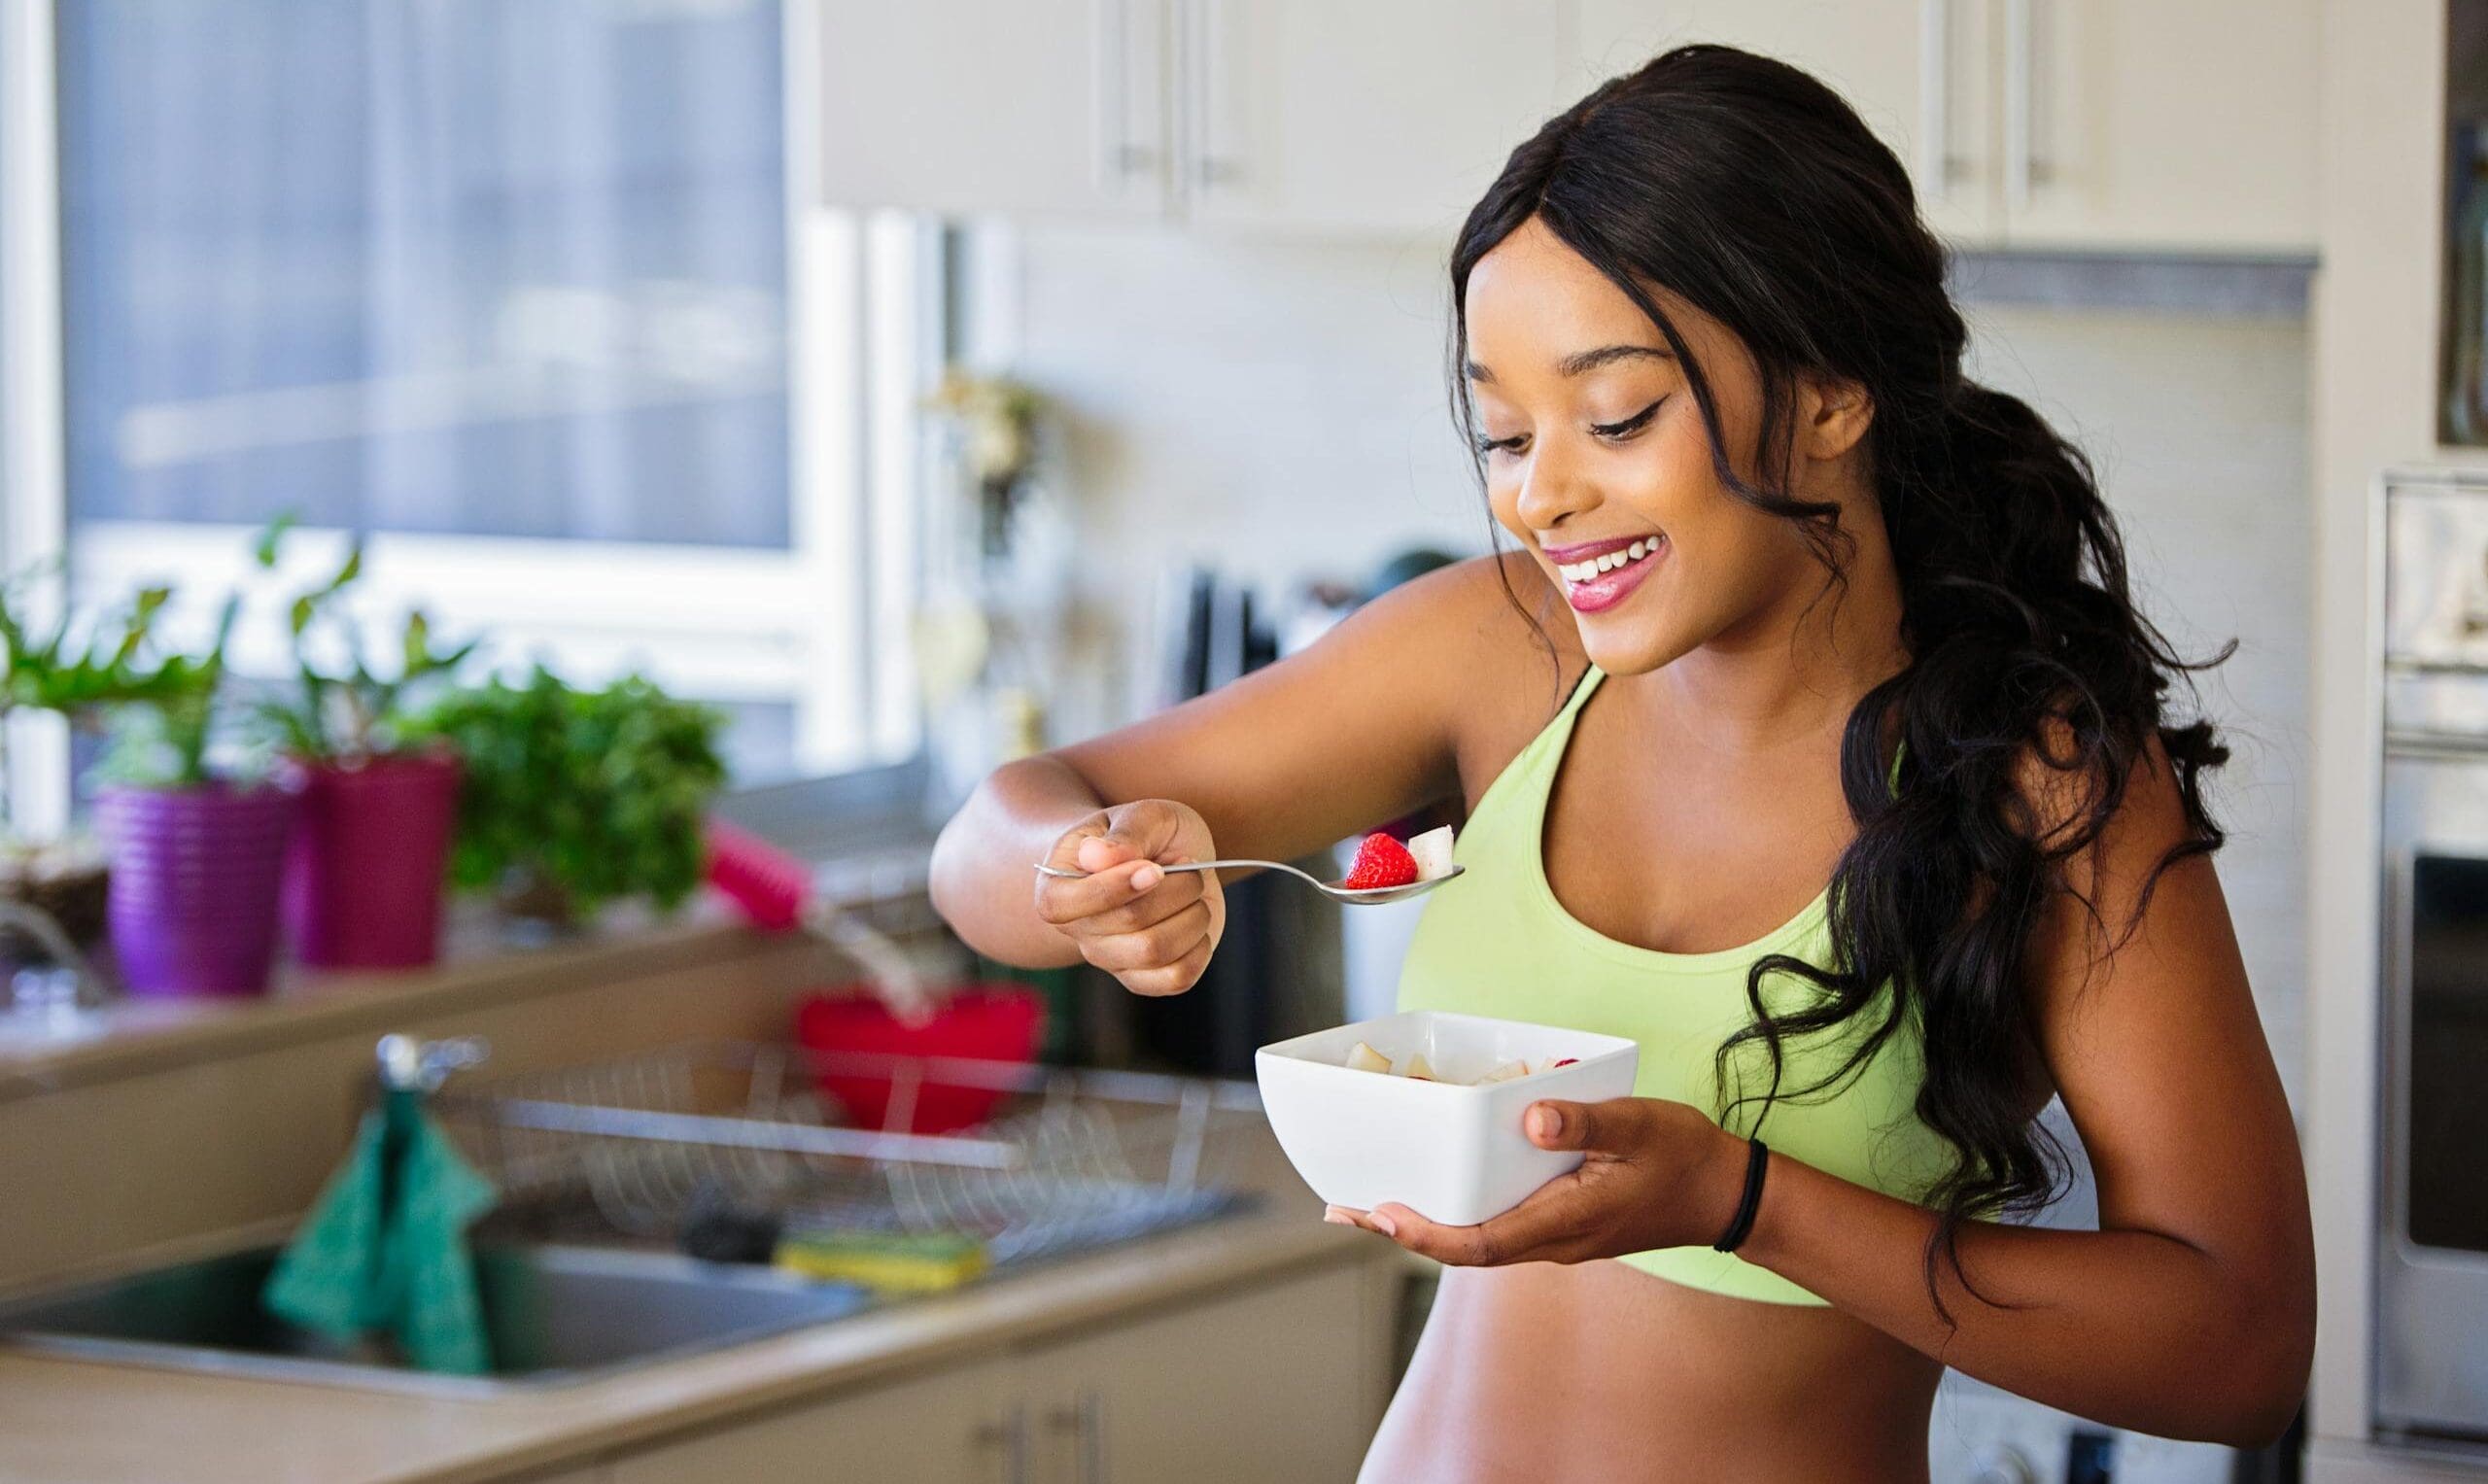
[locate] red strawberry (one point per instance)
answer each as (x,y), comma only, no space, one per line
(1381,861)
(1569,1061)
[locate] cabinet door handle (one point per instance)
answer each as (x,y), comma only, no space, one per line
(1211,168)
(1086,1421)
(1120,154)
(1939,168)
(1011,1435)
(2023,169)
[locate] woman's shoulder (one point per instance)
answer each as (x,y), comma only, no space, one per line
(1508,651)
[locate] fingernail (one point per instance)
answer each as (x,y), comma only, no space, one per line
(1546,1122)
(1146,877)
(1336,1217)
(1382,1223)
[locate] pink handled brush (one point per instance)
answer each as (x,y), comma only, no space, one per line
(775,891)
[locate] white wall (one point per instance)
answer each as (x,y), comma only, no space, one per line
(1280,410)
(2198,426)
(1276,410)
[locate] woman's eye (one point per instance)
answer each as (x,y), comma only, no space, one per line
(1512,445)
(1630,425)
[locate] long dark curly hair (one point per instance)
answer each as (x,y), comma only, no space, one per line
(1753,192)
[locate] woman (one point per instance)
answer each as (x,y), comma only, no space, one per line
(1793,603)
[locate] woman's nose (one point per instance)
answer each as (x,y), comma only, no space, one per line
(1554,486)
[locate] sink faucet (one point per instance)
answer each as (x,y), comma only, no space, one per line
(61,989)
(410,1065)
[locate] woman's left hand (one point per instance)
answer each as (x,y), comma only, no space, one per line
(1657,1174)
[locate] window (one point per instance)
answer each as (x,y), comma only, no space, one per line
(528,294)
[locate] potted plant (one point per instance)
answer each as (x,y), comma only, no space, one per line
(574,798)
(365,877)
(196,852)
(72,671)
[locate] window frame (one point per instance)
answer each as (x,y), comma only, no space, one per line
(820,622)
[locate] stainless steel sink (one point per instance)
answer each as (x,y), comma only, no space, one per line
(556,1314)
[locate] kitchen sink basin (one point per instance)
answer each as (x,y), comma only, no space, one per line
(556,1314)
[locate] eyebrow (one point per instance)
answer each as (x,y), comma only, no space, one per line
(1586,362)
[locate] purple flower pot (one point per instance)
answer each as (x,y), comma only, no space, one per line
(192,906)
(364,881)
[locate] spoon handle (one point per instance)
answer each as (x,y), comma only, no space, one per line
(1195,864)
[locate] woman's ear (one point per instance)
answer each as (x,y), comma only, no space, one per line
(1833,416)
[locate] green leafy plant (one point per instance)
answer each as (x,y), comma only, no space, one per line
(356,709)
(162,727)
(78,669)
(163,704)
(574,798)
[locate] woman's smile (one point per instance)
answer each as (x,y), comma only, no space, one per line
(1597,576)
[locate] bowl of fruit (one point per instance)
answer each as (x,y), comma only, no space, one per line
(1424,1108)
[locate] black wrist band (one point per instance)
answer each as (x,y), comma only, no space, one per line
(1757,1160)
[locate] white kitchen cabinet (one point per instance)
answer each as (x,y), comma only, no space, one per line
(1278,1382)
(1282,1380)
(1917,70)
(958,1425)
(1039,106)
(1300,117)
(2145,123)
(2082,124)
(1382,116)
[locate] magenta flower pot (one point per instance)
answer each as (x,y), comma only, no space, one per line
(364,881)
(195,873)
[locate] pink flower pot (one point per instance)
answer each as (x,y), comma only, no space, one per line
(364,882)
(194,895)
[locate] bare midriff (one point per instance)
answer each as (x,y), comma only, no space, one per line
(1599,1371)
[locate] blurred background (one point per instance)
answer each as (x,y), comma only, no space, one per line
(523,518)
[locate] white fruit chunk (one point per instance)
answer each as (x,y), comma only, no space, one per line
(1431,851)
(1365,1058)
(1418,1067)
(1504,1073)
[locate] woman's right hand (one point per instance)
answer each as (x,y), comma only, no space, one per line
(1152,929)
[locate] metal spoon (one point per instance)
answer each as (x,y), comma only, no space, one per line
(1354,896)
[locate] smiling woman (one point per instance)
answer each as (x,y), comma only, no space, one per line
(1812,740)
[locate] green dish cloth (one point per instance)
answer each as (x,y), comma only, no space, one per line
(385,1247)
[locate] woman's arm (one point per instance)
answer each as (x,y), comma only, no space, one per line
(1362,727)
(2191,1312)
(2188,1313)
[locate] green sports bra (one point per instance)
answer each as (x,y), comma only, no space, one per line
(1497,943)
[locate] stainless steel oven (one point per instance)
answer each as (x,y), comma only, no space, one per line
(2432,1190)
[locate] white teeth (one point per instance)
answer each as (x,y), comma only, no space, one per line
(1585,571)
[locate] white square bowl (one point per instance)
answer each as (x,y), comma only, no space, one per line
(1448,1152)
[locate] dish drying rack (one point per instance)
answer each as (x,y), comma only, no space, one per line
(1068,1160)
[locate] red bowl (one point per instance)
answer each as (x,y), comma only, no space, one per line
(985,1023)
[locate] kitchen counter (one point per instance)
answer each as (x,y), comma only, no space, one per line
(73,1422)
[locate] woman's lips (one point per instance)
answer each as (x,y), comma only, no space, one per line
(1610,588)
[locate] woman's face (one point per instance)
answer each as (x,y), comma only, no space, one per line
(1598,462)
